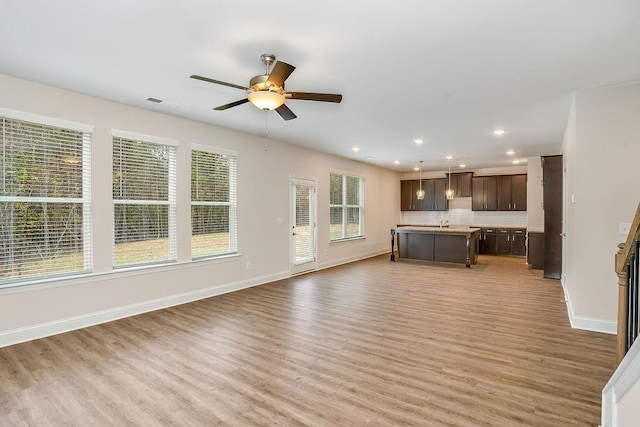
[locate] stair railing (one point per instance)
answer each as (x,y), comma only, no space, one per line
(628,271)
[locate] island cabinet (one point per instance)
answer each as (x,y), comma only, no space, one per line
(484,193)
(461,184)
(450,244)
(408,198)
(512,192)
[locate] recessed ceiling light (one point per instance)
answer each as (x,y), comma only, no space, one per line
(516,161)
(418,141)
(449,158)
(511,153)
(498,132)
(396,162)
(356,148)
(462,166)
(416,168)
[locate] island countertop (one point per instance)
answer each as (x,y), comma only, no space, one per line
(452,229)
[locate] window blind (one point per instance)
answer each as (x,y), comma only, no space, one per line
(213,202)
(45,228)
(144,211)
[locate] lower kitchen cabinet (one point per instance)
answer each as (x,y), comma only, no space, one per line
(503,241)
(519,241)
(535,250)
(488,243)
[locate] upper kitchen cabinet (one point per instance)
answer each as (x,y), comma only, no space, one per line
(461,184)
(512,193)
(484,193)
(408,197)
(435,197)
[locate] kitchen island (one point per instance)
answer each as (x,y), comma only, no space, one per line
(457,244)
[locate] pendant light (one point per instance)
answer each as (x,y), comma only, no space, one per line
(449,192)
(420,192)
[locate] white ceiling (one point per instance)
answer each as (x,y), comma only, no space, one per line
(446,71)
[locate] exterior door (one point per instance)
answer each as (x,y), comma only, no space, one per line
(303,227)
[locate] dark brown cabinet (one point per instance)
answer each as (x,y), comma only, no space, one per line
(461,184)
(488,242)
(503,241)
(552,202)
(535,250)
(408,197)
(519,241)
(484,193)
(435,198)
(512,193)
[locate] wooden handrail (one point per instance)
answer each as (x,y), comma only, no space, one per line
(634,235)
(621,261)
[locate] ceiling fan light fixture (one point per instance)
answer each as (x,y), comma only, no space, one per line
(266,100)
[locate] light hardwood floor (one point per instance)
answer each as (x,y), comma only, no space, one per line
(371,343)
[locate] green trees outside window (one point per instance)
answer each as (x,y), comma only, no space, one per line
(44,201)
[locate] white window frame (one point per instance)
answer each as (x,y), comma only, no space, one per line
(346,206)
(232,203)
(85,200)
(170,202)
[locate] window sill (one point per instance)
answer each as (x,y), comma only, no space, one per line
(348,239)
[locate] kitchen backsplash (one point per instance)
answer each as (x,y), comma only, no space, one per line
(461,214)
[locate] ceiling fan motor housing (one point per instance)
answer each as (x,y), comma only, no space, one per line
(262,82)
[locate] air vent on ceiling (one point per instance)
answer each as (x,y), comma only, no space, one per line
(156,100)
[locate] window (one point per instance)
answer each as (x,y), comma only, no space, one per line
(44,197)
(346,206)
(144,199)
(213,202)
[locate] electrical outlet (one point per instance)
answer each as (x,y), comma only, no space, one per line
(624,228)
(279,220)
(248,265)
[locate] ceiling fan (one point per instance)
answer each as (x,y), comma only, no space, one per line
(267,91)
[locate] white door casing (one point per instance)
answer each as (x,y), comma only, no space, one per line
(303,225)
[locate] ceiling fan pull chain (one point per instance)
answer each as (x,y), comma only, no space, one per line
(266,128)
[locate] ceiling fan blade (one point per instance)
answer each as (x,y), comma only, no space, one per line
(218,82)
(232,104)
(285,112)
(310,96)
(280,72)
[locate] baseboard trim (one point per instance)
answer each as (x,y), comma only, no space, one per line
(351,259)
(42,330)
(587,323)
(17,336)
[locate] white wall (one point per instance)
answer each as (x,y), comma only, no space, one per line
(535,212)
(601,149)
(628,408)
(29,311)
(621,394)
